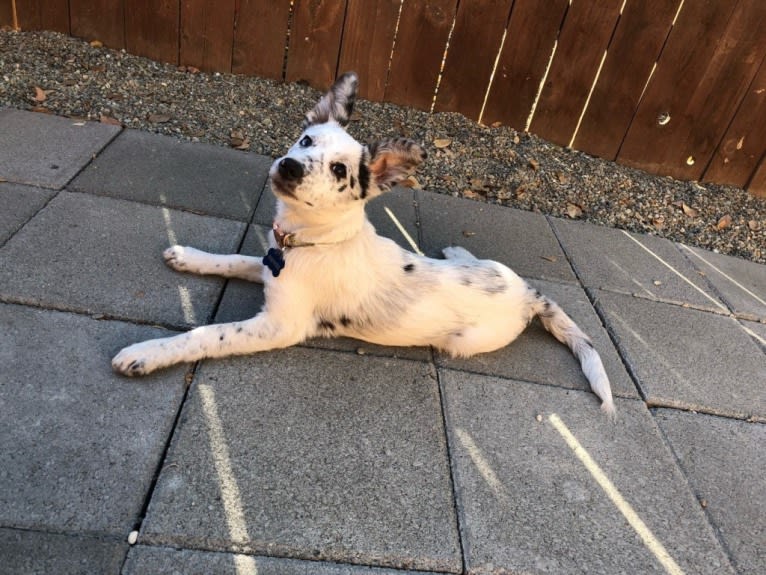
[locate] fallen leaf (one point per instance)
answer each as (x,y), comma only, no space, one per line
(440,143)
(477,183)
(552,259)
(192,70)
(659,222)
(516,139)
(411,182)
(574,211)
(109,120)
(96,43)
(689,211)
(754,225)
(470,194)
(467,234)
(496,124)
(563,178)
(724,222)
(40,94)
(534,164)
(158,118)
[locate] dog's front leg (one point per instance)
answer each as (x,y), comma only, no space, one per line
(186,259)
(220,340)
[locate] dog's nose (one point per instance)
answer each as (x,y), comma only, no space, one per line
(290,169)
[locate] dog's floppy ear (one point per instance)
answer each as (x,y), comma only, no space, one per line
(337,104)
(393,160)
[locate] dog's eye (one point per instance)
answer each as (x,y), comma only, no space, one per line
(339,170)
(305,142)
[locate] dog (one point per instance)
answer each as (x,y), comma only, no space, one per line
(327,272)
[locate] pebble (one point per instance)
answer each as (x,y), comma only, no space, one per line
(513,168)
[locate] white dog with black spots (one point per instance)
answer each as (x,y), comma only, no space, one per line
(328,273)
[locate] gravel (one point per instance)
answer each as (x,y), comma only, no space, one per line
(54,73)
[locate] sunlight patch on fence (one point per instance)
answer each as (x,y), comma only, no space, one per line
(541,86)
(646,535)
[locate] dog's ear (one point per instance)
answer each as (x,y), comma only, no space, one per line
(337,104)
(393,160)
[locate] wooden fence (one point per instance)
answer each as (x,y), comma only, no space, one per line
(675,87)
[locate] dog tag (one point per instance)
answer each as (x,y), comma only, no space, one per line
(274,260)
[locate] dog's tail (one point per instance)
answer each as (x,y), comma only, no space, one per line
(561,326)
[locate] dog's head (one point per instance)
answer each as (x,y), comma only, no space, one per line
(327,169)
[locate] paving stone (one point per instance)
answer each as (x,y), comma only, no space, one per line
(521,240)
(163,170)
(17,205)
(757,331)
(144,560)
(101,255)
(538,357)
(724,460)
(742,284)
(527,504)
(303,453)
(79,445)
(645,266)
(688,358)
(45,150)
(35,553)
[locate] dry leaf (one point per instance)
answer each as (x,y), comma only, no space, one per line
(411,182)
(467,234)
(689,211)
(440,143)
(109,120)
(724,222)
(40,94)
(659,222)
(496,124)
(516,139)
(477,183)
(471,195)
(552,259)
(96,43)
(563,178)
(574,211)
(534,164)
(158,118)
(754,225)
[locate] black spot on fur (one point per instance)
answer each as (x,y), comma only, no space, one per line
(239,329)
(326,325)
(345,321)
(466,281)
(409,268)
(221,337)
(353,182)
(364,179)
(343,187)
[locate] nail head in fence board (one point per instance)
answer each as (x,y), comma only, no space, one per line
(532,31)
(645,24)
(744,144)
(315,42)
(368,36)
(475,41)
(424,27)
(710,59)
(207,34)
(259,37)
(151,30)
(584,36)
(101,20)
(42,15)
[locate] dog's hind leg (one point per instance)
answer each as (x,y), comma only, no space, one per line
(458,253)
(185,259)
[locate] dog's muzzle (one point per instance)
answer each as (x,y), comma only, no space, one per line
(290,170)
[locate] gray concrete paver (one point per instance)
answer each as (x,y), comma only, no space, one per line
(79,445)
(725,460)
(742,284)
(47,151)
(101,255)
(303,453)
(162,170)
(521,240)
(646,266)
(538,357)
(19,203)
(527,504)
(688,358)
(36,553)
(143,560)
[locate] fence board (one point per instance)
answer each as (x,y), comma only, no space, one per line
(102,20)
(744,144)
(584,37)
(260,37)
(315,41)
(645,23)
(475,42)
(6,13)
(43,15)
(700,83)
(757,185)
(368,37)
(207,34)
(151,29)
(532,31)
(424,27)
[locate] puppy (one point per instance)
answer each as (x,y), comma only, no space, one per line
(329,274)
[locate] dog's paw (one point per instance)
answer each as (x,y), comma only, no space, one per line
(457,253)
(135,360)
(176,257)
